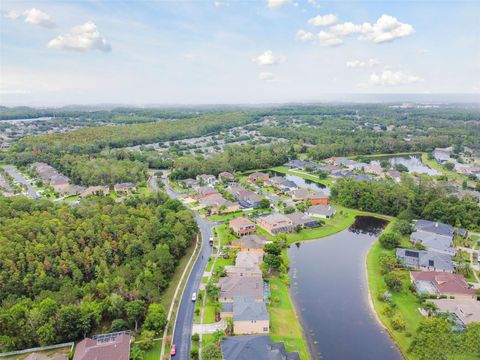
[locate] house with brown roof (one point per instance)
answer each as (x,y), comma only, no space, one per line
(95,190)
(442,283)
(465,311)
(218,204)
(301,220)
(249,243)
(373,169)
(242,226)
(248,259)
(234,270)
(232,286)
(256,176)
(226,177)
(315,197)
(204,191)
(275,223)
(114,346)
(124,188)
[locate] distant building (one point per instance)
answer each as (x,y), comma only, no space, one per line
(95,190)
(205,179)
(442,155)
(226,177)
(373,169)
(255,347)
(114,346)
(204,191)
(124,188)
(256,176)
(282,183)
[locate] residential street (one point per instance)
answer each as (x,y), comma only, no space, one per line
(184,322)
(12,171)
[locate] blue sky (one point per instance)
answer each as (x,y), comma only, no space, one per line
(189,52)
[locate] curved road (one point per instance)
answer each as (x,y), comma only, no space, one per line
(184,321)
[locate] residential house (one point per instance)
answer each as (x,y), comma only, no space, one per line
(442,283)
(125,188)
(114,346)
(301,220)
(315,197)
(189,183)
(394,175)
(226,177)
(282,183)
(442,155)
(234,270)
(342,173)
(206,179)
(204,191)
(249,316)
(426,260)
(321,211)
(95,190)
(256,176)
(297,164)
(373,169)
(249,243)
(218,205)
(335,161)
(275,223)
(434,236)
(465,311)
(242,226)
(255,347)
(248,199)
(233,286)
(248,259)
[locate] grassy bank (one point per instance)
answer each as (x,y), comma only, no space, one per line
(436,166)
(284,323)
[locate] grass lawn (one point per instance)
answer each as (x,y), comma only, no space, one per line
(209,313)
(436,166)
(221,262)
(407,303)
(223,232)
(284,323)
(154,352)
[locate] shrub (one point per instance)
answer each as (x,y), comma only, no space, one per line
(393,281)
(194,353)
(398,323)
(195,337)
(389,240)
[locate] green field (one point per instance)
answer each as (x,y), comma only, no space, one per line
(284,323)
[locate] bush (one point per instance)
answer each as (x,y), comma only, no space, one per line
(393,281)
(398,323)
(146,342)
(195,337)
(387,263)
(211,352)
(389,240)
(119,325)
(194,353)
(403,227)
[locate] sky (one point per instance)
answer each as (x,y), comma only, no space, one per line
(62,52)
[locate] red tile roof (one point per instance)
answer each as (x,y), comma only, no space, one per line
(446,283)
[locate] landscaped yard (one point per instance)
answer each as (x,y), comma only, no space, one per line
(284,323)
(223,232)
(154,352)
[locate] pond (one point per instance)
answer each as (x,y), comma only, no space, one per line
(329,286)
(413,163)
(304,183)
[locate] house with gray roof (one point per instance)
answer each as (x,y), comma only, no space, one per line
(232,286)
(434,227)
(258,347)
(434,242)
(321,211)
(426,260)
(282,183)
(301,220)
(249,316)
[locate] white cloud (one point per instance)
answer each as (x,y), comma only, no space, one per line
(38,17)
(423,51)
(303,35)
(323,20)
(363,64)
(12,14)
(275,4)
(33,17)
(266,76)
(220,3)
(393,78)
(314,3)
(81,38)
(329,39)
(267,58)
(386,29)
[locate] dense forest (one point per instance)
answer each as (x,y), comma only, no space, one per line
(66,271)
(234,158)
(427,200)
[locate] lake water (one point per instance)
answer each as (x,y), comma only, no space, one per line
(304,183)
(330,291)
(413,163)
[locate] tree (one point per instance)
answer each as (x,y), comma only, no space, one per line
(212,290)
(146,340)
(403,227)
(401,168)
(264,203)
(387,263)
(194,353)
(135,312)
(211,352)
(389,240)
(156,319)
(136,353)
(393,281)
(118,325)
(449,166)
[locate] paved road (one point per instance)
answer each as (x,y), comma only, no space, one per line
(184,323)
(12,171)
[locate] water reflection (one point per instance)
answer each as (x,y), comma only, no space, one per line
(413,163)
(367,225)
(304,183)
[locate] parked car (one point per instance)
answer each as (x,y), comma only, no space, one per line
(194,296)
(173,350)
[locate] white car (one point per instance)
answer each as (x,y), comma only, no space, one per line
(194,296)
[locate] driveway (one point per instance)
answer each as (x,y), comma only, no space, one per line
(208,328)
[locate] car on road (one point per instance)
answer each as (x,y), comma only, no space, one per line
(194,296)
(211,241)
(173,350)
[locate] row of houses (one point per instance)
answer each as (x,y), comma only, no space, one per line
(444,155)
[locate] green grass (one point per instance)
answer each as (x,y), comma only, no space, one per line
(284,323)
(154,352)
(209,313)
(407,303)
(221,262)
(223,232)
(436,166)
